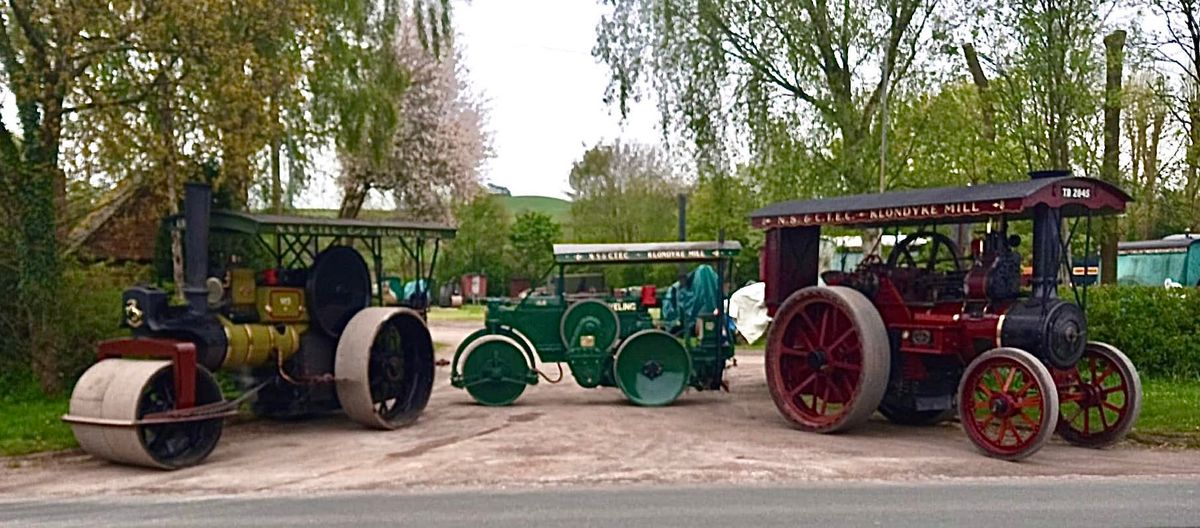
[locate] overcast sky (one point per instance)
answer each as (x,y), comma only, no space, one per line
(531,61)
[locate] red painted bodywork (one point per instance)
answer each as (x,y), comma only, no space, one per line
(181,353)
(952,329)
(789,259)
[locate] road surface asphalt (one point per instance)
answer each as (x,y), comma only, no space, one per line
(1006,502)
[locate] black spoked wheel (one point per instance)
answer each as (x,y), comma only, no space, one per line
(184,443)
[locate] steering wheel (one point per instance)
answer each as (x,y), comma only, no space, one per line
(904,251)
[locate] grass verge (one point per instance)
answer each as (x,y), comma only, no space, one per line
(468,312)
(1170,413)
(29,421)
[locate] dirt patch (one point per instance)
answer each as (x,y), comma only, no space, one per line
(566,435)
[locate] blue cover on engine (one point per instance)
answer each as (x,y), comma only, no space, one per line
(698,293)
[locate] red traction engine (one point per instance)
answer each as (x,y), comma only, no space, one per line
(929,329)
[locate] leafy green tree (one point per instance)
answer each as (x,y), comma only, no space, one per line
(624,193)
(808,64)
(532,238)
(126,95)
(42,59)
(718,207)
(484,225)
(1046,55)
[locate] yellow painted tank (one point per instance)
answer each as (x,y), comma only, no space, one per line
(253,345)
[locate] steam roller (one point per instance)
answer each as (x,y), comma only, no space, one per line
(651,344)
(304,333)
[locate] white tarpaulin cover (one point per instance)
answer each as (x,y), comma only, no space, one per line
(748,309)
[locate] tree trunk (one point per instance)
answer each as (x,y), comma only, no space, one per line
(1150,166)
(276,181)
(987,112)
(1193,159)
(1114,45)
(166,131)
(37,243)
(987,109)
(353,198)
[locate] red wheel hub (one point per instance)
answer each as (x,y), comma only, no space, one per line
(1006,406)
(1100,397)
(820,361)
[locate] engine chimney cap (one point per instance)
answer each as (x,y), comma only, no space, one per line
(1049,173)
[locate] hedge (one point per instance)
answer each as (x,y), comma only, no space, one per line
(1158,328)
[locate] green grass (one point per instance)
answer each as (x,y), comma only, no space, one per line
(469,312)
(29,421)
(1170,413)
(555,208)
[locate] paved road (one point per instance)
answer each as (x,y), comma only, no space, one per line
(1037,502)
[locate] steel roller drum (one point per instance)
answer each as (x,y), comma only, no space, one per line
(494,370)
(383,367)
(339,285)
(652,368)
(124,390)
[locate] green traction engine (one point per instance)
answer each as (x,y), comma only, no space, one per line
(302,334)
(652,346)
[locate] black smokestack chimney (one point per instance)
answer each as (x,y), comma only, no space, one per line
(196,204)
(682,204)
(1047,242)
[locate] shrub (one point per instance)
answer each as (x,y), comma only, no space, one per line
(89,311)
(1158,328)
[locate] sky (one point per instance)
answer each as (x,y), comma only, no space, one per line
(532,61)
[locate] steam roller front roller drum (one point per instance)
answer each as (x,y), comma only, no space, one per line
(494,370)
(384,367)
(652,368)
(127,390)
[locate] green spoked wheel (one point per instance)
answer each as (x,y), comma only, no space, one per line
(652,368)
(494,370)
(590,324)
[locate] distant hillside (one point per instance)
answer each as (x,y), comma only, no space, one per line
(556,208)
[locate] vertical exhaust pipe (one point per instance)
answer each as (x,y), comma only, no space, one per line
(1047,242)
(196,205)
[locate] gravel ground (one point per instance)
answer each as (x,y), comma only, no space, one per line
(562,434)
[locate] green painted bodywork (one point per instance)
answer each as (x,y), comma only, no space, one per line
(579,331)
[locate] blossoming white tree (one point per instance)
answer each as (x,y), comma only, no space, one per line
(439,143)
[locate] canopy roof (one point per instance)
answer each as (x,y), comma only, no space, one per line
(1168,245)
(1076,196)
(645,252)
(268,224)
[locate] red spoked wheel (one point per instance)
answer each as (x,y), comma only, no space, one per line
(1008,403)
(827,359)
(1101,398)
